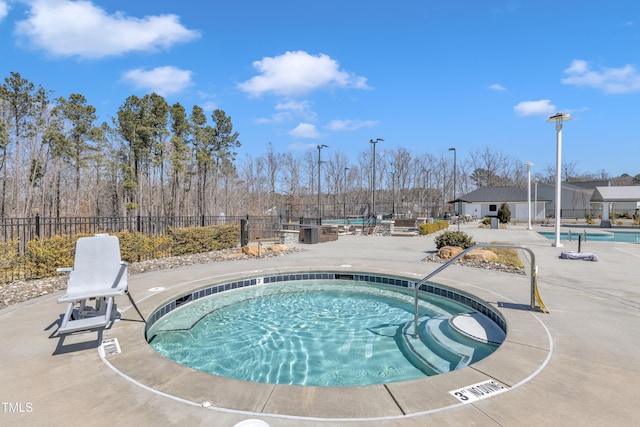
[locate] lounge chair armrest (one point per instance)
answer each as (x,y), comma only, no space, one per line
(64,269)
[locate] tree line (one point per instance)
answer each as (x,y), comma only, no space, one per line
(156,159)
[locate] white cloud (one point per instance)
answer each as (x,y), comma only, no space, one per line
(299,146)
(535,108)
(162,80)
(497,87)
(290,110)
(305,130)
(610,80)
(208,100)
(276,118)
(301,109)
(350,125)
(79,28)
(299,73)
(209,106)
(4,9)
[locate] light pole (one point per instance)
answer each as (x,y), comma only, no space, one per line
(558,118)
(320,147)
(454,179)
(535,204)
(393,192)
(345,194)
(427,191)
(373,180)
(528,165)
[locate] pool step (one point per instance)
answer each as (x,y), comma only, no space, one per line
(438,335)
(420,355)
(438,348)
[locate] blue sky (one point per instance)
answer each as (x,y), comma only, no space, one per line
(423,75)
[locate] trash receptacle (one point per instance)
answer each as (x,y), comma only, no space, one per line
(310,235)
(495,223)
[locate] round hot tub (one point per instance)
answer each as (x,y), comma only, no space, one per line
(325,329)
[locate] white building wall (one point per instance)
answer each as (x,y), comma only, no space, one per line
(522,212)
(472,209)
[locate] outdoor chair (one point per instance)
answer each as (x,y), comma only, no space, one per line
(97,277)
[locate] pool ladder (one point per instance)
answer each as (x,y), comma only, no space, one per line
(535,296)
(582,236)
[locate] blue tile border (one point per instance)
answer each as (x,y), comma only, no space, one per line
(430,288)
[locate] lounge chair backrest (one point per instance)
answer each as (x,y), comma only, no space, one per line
(97,263)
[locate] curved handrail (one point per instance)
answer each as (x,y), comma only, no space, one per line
(419,284)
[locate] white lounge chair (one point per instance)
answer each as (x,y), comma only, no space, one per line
(98,274)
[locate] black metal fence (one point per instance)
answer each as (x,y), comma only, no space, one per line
(23,230)
(15,233)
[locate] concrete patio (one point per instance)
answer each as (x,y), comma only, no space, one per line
(577,365)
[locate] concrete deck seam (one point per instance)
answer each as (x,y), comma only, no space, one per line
(386,387)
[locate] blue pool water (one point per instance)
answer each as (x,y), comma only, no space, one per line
(605,236)
(349,221)
(315,333)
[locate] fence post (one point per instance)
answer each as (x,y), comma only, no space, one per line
(244,232)
(38,225)
(138,224)
(201,220)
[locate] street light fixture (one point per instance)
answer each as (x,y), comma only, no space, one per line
(528,165)
(558,118)
(454,179)
(320,147)
(373,180)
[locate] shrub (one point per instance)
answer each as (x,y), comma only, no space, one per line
(186,241)
(589,218)
(432,227)
(504,213)
(9,257)
(136,247)
(454,238)
(43,256)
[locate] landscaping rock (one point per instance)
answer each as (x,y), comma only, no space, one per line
(487,265)
(448,252)
(251,250)
(480,254)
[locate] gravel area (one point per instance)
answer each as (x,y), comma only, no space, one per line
(487,265)
(19,291)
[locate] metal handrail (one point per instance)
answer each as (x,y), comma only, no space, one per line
(461,254)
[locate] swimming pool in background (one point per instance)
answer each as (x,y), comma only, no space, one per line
(600,236)
(318,333)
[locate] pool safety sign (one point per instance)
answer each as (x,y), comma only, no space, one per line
(478,391)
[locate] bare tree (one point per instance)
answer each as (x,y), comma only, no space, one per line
(333,177)
(489,168)
(272,162)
